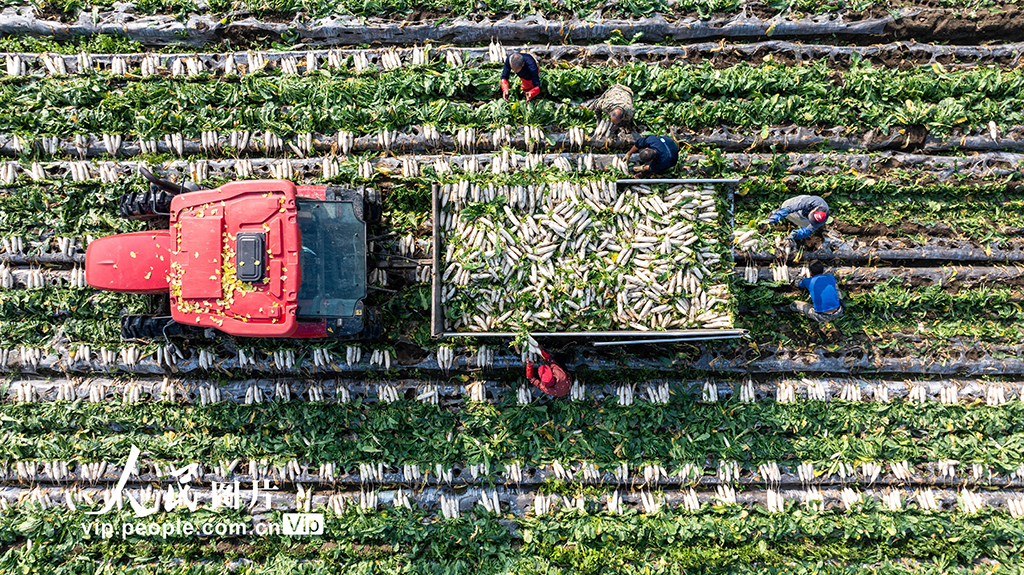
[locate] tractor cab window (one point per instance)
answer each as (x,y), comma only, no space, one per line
(333,259)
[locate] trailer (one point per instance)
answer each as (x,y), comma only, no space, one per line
(609,205)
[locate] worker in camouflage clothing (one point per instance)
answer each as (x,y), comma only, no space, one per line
(617,104)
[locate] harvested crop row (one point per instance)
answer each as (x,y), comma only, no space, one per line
(26,390)
(309,61)
(357,60)
(653,474)
(582,256)
(508,24)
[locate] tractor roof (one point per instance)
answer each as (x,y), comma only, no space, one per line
(205,228)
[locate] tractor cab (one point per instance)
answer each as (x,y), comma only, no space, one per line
(260,258)
(333,263)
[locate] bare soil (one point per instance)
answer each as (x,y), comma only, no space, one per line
(903,229)
(1003,24)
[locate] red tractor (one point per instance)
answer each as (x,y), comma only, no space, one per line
(262,258)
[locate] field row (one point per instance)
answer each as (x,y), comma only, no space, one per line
(558,541)
(403,10)
(771,94)
(216,145)
(97,53)
(775,352)
(57,323)
(493,386)
(56,60)
(507,25)
(588,439)
(516,503)
(56,327)
(896,203)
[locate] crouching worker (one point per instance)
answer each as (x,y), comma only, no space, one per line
(552,378)
(657,154)
(617,104)
(826,303)
(524,66)
(808,212)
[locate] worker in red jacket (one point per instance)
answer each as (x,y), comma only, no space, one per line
(524,66)
(552,377)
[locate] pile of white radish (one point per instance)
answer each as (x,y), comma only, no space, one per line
(390,60)
(901,470)
(568,256)
(253,394)
(893,500)
(322,358)
(850,392)
(949,394)
(786,392)
(725,494)
(805,471)
(918,393)
(603,130)
(770,471)
(496,53)
(466,138)
(577,137)
(816,390)
(445,357)
(381,358)
(523,395)
(453,58)
(747,391)
(534,135)
(995,394)
(870,470)
(780,273)
(926,499)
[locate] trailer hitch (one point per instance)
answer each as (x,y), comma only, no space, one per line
(156,183)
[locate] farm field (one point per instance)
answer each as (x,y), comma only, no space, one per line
(888,441)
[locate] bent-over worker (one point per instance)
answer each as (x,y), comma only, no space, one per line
(808,212)
(524,66)
(552,378)
(617,104)
(657,154)
(826,303)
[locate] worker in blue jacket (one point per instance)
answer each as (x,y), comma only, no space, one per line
(808,212)
(524,66)
(826,300)
(657,154)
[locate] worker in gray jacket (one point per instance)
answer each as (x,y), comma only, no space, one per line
(808,212)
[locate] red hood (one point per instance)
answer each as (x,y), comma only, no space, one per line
(138,262)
